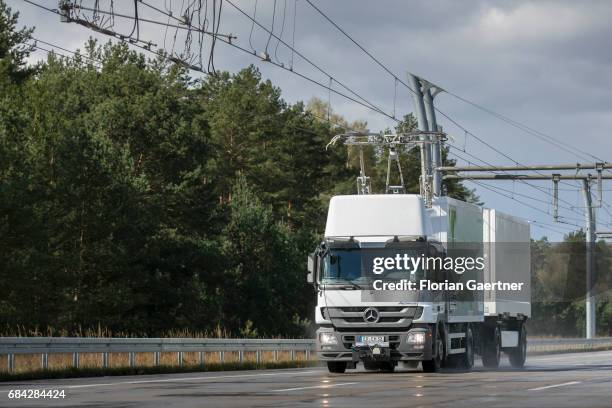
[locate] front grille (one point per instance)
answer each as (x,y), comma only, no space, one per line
(389,316)
(374,329)
(360,309)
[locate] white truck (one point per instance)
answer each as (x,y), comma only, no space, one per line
(376,308)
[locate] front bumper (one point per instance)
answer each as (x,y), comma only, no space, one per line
(398,349)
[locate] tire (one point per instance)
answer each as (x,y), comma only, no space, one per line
(433,365)
(465,361)
(491,354)
(338,367)
(387,367)
(518,355)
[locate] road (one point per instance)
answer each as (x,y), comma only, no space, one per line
(562,380)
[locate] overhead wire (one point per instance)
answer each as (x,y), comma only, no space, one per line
(272,31)
(514,198)
(281,31)
(506,119)
(539,188)
(454,122)
(362,101)
(310,62)
(252,27)
(293,33)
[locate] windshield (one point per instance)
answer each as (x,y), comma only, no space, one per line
(360,266)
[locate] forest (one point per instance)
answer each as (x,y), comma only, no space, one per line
(137,199)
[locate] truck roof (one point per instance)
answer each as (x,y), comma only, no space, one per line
(375,215)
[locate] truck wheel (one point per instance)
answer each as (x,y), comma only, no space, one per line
(387,367)
(465,360)
(491,353)
(336,366)
(518,355)
(433,365)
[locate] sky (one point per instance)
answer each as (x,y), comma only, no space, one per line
(545,64)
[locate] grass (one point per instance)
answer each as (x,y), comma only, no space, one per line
(60,365)
(99,331)
(71,372)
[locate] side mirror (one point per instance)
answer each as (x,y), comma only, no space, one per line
(311,268)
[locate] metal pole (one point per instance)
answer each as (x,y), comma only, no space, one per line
(419,108)
(436,160)
(519,177)
(590,239)
(572,166)
(555,178)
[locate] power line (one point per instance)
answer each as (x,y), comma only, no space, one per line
(54,52)
(270,37)
(604,205)
(329,88)
(489,188)
(514,198)
(523,127)
(282,30)
(309,61)
(358,45)
(314,115)
(38,40)
(540,225)
(113,34)
(397,79)
(526,196)
(451,146)
(543,136)
(308,130)
(146,20)
(363,102)
(252,27)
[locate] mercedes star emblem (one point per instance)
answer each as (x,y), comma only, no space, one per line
(370,315)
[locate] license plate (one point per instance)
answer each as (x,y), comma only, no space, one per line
(371,341)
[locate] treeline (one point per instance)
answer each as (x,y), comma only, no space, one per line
(558,286)
(139,199)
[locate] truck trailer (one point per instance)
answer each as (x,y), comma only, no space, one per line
(457,267)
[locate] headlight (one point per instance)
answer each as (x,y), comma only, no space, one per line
(416,338)
(328,338)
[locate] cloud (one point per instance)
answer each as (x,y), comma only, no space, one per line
(545,63)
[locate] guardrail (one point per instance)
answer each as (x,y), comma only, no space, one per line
(11,346)
(568,345)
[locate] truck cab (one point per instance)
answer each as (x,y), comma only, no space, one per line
(380,302)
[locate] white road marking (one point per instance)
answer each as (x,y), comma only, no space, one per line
(315,386)
(572,357)
(555,386)
(165,380)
